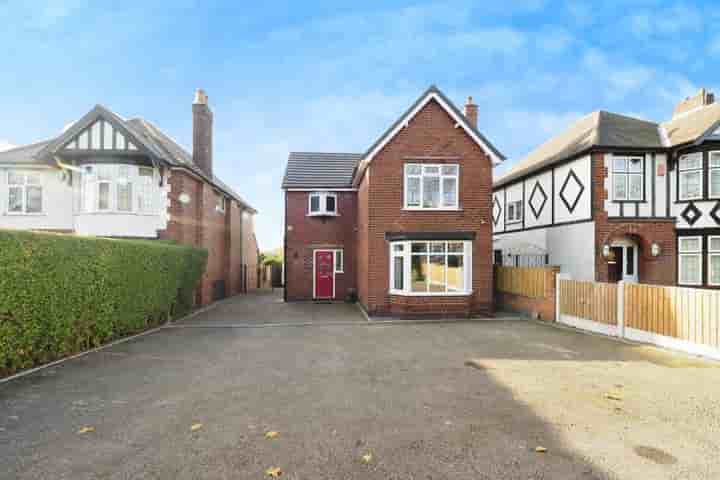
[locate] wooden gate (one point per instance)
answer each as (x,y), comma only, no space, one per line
(588,305)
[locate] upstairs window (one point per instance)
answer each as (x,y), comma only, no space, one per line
(118,188)
(515,211)
(690,177)
(714,260)
(220,201)
(322,203)
(628,178)
(25,193)
(690,260)
(714,173)
(431,186)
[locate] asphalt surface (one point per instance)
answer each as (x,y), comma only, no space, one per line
(400,393)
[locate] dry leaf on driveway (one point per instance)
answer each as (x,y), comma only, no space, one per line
(86,430)
(367,458)
(272,434)
(540,449)
(274,472)
(613,396)
(195,427)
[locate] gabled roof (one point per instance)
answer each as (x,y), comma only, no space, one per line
(693,125)
(598,129)
(24,155)
(432,93)
(320,170)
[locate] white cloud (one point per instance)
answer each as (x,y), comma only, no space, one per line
(621,78)
(501,40)
(5,145)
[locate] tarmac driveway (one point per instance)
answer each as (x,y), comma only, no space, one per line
(401,393)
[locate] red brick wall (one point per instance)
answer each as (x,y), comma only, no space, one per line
(307,233)
(431,132)
(659,270)
(198,223)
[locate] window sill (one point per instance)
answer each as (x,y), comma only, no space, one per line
(430,294)
(323,214)
(514,222)
(421,209)
(629,201)
(23,214)
(112,212)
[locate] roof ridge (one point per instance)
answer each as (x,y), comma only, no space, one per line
(628,117)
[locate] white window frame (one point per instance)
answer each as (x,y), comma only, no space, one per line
(23,187)
(407,254)
(518,211)
(627,173)
(339,254)
(322,204)
(220,202)
(90,189)
(684,171)
(440,176)
(711,254)
(713,170)
(684,254)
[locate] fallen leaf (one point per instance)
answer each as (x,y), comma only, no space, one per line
(274,472)
(613,396)
(195,427)
(540,449)
(86,430)
(367,458)
(272,434)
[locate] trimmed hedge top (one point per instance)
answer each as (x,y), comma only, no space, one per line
(62,294)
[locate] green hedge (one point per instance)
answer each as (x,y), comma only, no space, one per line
(62,294)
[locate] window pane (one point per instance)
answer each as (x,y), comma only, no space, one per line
(620,187)
(620,164)
(418,272)
(714,159)
(34,200)
(431,170)
(339,261)
(449,192)
(714,269)
(635,165)
(689,244)
(145,172)
(456,247)
(690,184)
(124,196)
(123,172)
(437,273)
(455,273)
(431,192)
(398,247)
(419,247)
(449,170)
(636,187)
(32,179)
(15,200)
(715,182)
(103,196)
(413,195)
(437,247)
(15,178)
(330,203)
(714,244)
(314,203)
(414,169)
(398,272)
(690,269)
(630,261)
(691,161)
(105,172)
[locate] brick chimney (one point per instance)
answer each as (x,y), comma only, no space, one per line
(202,132)
(471,112)
(700,99)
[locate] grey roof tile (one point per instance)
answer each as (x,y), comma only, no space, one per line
(24,155)
(320,170)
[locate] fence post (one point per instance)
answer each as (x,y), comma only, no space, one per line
(621,308)
(558,278)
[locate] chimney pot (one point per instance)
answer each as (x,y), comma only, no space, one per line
(471,112)
(201,97)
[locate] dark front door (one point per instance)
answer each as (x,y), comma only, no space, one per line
(615,265)
(324,274)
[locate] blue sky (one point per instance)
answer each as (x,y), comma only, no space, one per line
(322,77)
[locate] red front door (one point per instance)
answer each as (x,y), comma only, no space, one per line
(324,274)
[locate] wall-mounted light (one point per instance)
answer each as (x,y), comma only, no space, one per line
(606,251)
(655,249)
(184,198)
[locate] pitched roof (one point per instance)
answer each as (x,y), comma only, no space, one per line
(597,129)
(320,170)
(24,155)
(432,93)
(691,126)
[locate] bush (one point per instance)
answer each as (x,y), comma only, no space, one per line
(62,294)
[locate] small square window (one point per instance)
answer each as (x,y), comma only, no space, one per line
(330,203)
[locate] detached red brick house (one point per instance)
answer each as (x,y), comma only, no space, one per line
(405,227)
(107,176)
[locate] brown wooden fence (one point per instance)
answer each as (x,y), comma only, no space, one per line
(686,314)
(589,300)
(532,282)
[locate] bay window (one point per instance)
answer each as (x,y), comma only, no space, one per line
(322,203)
(714,173)
(430,267)
(690,260)
(714,260)
(118,188)
(690,177)
(25,193)
(628,178)
(431,186)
